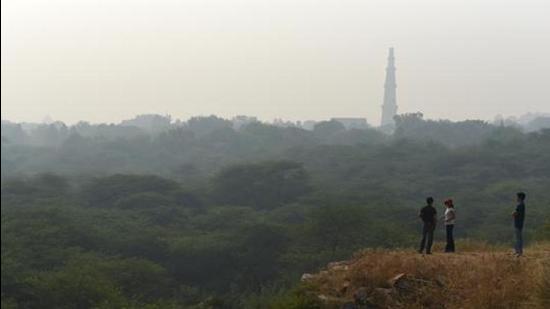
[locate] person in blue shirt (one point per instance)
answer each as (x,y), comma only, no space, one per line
(519,218)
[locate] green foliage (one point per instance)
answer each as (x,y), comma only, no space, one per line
(144,200)
(43,186)
(296,298)
(78,285)
(106,192)
(339,226)
(264,185)
(453,134)
(328,128)
(90,281)
(205,215)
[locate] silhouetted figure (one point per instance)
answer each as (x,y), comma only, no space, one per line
(519,218)
(428,215)
(449,219)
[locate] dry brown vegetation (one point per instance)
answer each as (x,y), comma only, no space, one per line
(480,276)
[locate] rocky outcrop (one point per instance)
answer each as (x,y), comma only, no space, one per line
(348,296)
(403,279)
(366,283)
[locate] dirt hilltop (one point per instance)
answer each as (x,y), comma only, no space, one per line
(480,276)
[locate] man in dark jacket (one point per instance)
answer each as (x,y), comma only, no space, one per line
(519,217)
(428,215)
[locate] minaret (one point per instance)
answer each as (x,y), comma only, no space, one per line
(389,108)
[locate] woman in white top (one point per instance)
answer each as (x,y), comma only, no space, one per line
(449,218)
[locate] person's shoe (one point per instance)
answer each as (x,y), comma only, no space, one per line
(429,253)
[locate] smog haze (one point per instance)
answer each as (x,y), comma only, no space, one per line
(104,61)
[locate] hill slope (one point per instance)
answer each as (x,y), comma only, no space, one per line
(481,277)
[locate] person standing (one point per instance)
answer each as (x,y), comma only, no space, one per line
(449,219)
(428,215)
(519,218)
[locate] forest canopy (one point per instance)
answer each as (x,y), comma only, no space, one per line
(203,213)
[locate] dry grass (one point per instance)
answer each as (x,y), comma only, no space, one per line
(480,277)
(543,288)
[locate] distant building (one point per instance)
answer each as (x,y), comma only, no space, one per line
(529,122)
(308,124)
(285,123)
(389,107)
(47,120)
(352,123)
(538,123)
(241,121)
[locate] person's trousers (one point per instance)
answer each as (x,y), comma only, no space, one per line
(450,247)
(519,241)
(427,236)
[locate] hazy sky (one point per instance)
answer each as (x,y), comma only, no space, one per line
(106,60)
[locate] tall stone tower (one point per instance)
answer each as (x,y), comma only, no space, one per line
(389,108)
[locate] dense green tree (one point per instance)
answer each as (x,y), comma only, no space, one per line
(203,214)
(201,126)
(339,227)
(327,129)
(108,191)
(264,185)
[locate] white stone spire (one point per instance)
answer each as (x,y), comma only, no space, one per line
(389,107)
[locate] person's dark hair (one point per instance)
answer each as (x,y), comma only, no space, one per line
(449,203)
(430,200)
(521,195)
